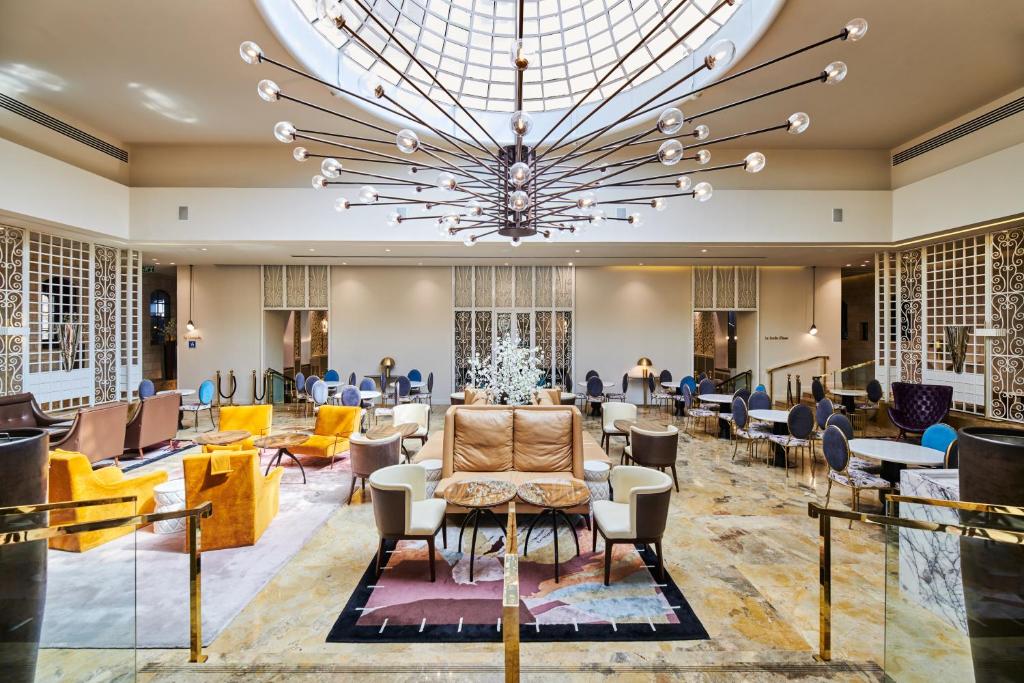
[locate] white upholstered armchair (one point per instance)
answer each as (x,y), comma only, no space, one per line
(403,511)
(637,512)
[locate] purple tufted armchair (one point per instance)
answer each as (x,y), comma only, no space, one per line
(918,406)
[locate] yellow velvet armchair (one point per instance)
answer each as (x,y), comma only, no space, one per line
(244,501)
(334,425)
(257,420)
(73,478)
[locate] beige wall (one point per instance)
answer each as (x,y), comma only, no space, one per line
(227,310)
(623,313)
(786,312)
(405,313)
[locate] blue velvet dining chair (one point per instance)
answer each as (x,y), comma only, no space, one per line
(352,378)
(415,375)
(332,376)
(146,388)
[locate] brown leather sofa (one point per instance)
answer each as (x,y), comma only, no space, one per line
(97,432)
(512,443)
(22,410)
(155,421)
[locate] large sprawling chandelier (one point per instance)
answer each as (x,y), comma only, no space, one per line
(474,181)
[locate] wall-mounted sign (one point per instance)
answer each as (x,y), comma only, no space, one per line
(775,338)
(191,343)
(148,268)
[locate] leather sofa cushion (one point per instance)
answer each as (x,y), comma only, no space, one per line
(483,441)
(543,440)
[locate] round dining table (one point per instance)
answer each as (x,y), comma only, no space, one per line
(895,456)
(607,385)
(724,431)
(849,398)
(780,425)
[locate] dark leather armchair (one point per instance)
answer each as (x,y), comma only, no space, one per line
(155,421)
(21,410)
(916,407)
(97,432)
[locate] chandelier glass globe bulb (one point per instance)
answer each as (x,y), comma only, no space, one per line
(754,162)
(515,241)
(469,241)
(300,153)
(702,191)
(722,54)
(368,194)
(670,121)
(284,131)
(250,52)
(519,173)
(341,204)
(518,201)
(798,123)
(474,208)
(585,201)
(658,204)
(856,29)
(446,181)
(268,90)
(548,235)
(521,123)
(597,217)
(684,183)
(520,54)
(394,218)
(331,168)
(701,132)
(835,73)
(670,152)
(319,182)
(635,219)
(703,157)
(407,141)
(369,84)
(452,220)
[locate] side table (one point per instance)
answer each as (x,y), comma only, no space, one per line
(169,497)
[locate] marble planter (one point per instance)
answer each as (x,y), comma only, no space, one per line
(23,481)
(992,471)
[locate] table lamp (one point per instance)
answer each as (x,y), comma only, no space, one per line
(644,363)
(387,364)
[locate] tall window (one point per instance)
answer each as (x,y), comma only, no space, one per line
(159,310)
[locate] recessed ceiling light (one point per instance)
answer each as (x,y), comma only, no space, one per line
(387,250)
(203,249)
(641,263)
(703,251)
(171,263)
(153,259)
(344,263)
(570,263)
(312,249)
(506,263)
(847,265)
(577,251)
(419,264)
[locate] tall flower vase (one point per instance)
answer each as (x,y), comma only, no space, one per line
(992,471)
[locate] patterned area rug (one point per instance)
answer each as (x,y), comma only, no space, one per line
(404,606)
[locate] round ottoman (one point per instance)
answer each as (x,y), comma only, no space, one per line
(595,473)
(457,398)
(169,497)
(433,468)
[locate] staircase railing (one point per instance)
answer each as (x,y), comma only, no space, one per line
(741,380)
(854,376)
(792,398)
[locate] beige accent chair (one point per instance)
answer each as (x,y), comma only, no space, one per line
(638,513)
(369,455)
(97,432)
(418,413)
(403,511)
(512,443)
(155,421)
(610,412)
(657,449)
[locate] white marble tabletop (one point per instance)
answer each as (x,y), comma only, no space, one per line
(413,384)
(849,392)
(607,385)
(333,384)
(895,451)
(770,415)
(369,395)
(715,398)
(670,385)
(180,392)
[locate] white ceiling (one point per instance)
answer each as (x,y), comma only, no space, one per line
(169,72)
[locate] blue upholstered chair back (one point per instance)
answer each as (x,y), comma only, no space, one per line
(706,387)
(332,376)
(650,383)
(430,382)
(415,375)
(310,381)
(817,390)
(402,385)
(743,393)
(318,391)
(300,383)
(591,373)
(840,421)
(938,436)
(352,378)
(664,376)
(874,389)
(823,411)
(625,382)
(595,387)
(206,390)
(367,385)
(146,388)
(800,421)
(760,400)
(350,396)
(761,387)
(690,382)
(739,412)
(687,396)
(835,448)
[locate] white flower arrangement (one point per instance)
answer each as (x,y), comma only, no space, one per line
(513,374)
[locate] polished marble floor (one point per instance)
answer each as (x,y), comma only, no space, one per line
(739,544)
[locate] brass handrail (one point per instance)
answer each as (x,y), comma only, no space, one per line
(192,515)
(838,373)
(824,516)
(749,374)
(510,600)
(771,371)
(792,363)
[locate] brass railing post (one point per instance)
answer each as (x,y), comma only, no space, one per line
(195,588)
(510,600)
(825,581)
(789,389)
(216,394)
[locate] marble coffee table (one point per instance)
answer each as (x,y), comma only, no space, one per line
(554,497)
(281,443)
(479,496)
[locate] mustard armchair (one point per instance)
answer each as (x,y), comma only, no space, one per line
(257,420)
(244,501)
(334,426)
(72,478)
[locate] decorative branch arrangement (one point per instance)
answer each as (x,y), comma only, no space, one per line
(529,186)
(514,373)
